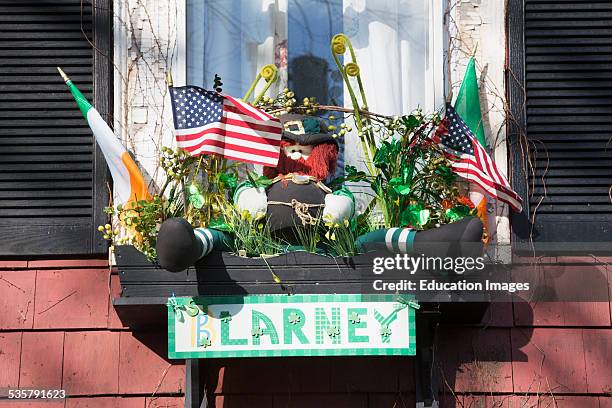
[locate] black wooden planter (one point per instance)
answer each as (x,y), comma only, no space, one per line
(146,287)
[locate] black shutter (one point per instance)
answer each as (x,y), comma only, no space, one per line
(53,179)
(560,89)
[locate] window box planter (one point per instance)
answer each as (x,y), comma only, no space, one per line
(147,287)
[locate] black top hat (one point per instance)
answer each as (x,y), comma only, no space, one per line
(305,130)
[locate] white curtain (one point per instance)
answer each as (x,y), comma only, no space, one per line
(393,42)
(399,47)
(398,44)
(234,39)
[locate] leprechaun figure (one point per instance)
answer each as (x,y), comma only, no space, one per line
(296,197)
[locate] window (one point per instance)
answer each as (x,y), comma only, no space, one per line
(53,182)
(398,44)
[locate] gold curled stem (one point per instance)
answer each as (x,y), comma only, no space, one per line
(251,88)
(269,73)
(369,134)
(365,144)
(359,83)
(356,110)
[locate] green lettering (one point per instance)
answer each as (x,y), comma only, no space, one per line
(293,322)
(257,318)
(225,334)
(356,322)
(385,323)
(325,328)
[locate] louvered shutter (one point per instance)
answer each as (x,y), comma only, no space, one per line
(53,179)
(561,53)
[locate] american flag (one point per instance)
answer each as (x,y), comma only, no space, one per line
(207,122)
(471,161)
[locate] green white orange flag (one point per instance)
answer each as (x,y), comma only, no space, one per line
(129,184)
(467,106)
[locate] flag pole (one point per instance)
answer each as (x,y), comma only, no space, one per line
(169,79)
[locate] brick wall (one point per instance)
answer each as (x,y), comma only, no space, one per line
(58,329)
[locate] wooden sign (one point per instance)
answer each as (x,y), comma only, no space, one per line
(290,325)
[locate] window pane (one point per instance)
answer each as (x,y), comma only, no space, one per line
(233,38)
(312,71)
(398,44)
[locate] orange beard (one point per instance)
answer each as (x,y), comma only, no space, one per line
(320,164)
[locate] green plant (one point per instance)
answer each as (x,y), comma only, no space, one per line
(309,235)
(341,238)
(252,237)
(142,220)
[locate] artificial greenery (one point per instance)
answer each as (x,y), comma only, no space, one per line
(411,180)
(341,238)
(251,237)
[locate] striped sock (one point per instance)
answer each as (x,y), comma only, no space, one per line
(395,240)
(211,239)
(400,240)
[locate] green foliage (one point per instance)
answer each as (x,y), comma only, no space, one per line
(413,183)
(308,236)
(143,220)
(252,237)
(341,238)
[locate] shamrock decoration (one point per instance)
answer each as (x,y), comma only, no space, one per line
(458,212)
(190,309)
(414,304)
(225,316)
(195,197)
(205,342)
(333,331)
(256,332)
(294,318)
(385,331)
(354,318)
(415,215)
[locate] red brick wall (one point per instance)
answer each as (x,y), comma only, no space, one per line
(58,329)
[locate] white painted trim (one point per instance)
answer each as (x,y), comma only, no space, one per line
(120,61)
(179,63)
(437,46)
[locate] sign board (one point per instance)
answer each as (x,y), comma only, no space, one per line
(290,325)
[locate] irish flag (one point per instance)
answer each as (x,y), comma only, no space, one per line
(128,181)
(467,106)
